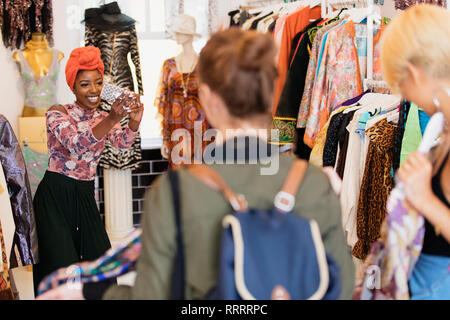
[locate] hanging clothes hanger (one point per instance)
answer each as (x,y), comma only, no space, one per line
(315,3)
(358,14)
(393,116)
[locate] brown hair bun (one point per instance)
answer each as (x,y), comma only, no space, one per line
(240,67)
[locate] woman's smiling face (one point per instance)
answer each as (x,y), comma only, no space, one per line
(87,88)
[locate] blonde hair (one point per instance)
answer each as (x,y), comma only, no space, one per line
(421,36)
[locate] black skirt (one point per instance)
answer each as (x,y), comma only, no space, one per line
(69,226)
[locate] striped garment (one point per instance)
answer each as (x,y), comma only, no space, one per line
(114,47)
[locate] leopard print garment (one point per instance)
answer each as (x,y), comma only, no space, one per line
(376,186)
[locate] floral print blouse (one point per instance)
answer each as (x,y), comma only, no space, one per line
(73,149)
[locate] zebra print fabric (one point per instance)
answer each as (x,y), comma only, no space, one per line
(114,47)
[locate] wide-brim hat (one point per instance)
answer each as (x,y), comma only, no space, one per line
(184,24)
(108,17)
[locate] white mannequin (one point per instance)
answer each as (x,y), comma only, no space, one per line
(186,62)
(187,59)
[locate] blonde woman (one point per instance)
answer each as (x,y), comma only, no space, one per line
(416,63)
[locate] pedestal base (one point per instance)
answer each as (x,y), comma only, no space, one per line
(118,204)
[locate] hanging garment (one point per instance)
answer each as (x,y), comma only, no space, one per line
(317,152)
(414,130)
(25,246)
(255,23)
(403,116)
(338,79)
(6,220)
(37,164)
(20,18)
(331,143)
(355,162)
(285,118)
(303,112)
(39,92)
(6,292)
(344,137)
(337,136)
(115,46)
(233,21)
(405,4)
(294,23)
(5,283)
(376,186)
(377,71)
(316,156)
(179,111)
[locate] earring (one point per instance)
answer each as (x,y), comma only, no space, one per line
(436,100)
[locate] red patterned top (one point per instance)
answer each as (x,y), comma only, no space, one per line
(73,149)
(177,110)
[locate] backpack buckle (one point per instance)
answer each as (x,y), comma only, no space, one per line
(239,203)
(284,201)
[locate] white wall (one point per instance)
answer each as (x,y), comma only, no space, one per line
(388,9)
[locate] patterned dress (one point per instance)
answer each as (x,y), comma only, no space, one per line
(115,46)
(179,111)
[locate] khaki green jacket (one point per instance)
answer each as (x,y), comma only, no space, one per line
(202,213)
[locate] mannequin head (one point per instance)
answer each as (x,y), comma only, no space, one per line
(237,72)
(183,39)
(416,56)
(183,29)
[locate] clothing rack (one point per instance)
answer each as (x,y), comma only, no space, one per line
(273,5)
(260,3)
(375,84)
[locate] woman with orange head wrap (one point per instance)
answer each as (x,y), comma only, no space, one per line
(68,222)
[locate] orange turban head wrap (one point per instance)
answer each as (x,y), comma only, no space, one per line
(84,58)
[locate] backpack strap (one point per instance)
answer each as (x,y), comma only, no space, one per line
(179,273)
(285,199)
(212,179)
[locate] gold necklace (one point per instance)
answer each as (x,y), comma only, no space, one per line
(185,88)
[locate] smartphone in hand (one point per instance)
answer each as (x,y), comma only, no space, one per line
(110,93)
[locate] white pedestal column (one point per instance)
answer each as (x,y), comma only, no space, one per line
(118,204)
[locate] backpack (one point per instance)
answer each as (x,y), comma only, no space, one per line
(264,254)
